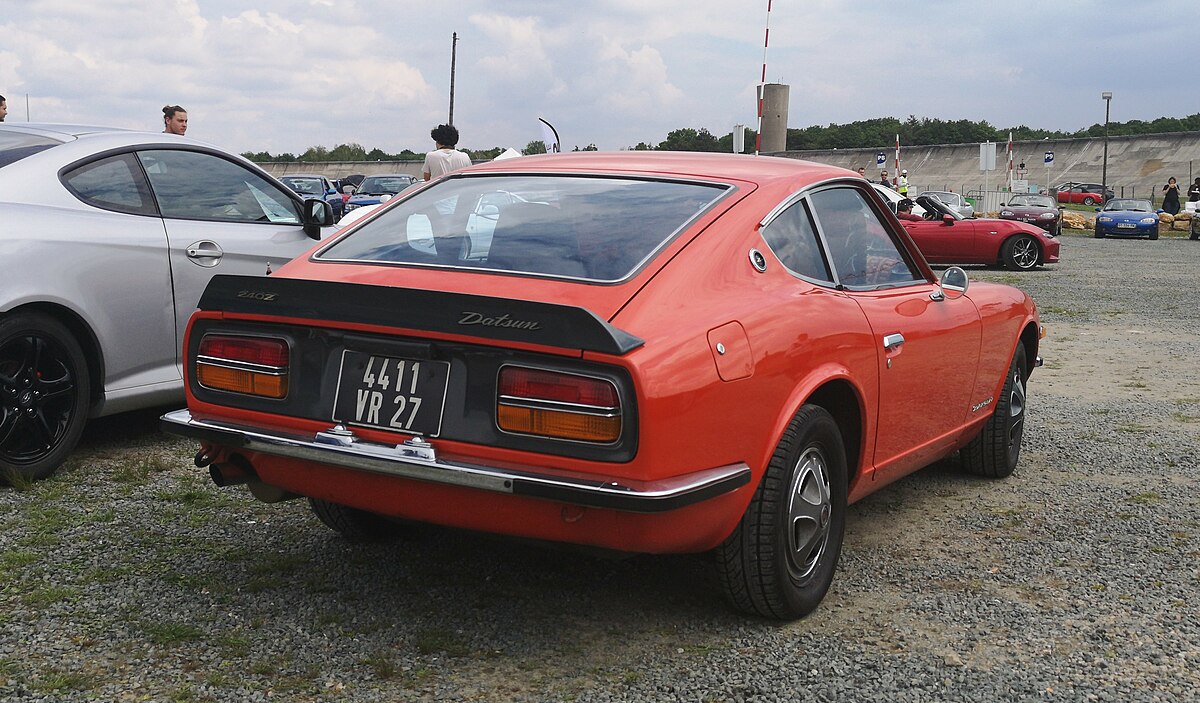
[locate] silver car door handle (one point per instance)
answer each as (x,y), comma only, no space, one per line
(204,250)
(892,341)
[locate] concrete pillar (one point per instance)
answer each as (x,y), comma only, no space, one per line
(774,117)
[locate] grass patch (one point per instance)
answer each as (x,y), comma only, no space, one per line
(139,471)
(234,646)
(1060,311)
(167,633)
(49,595)
(1146,498)
(441,642)
(63,682)
(14,559)
(382,665)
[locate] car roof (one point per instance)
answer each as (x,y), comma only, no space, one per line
(744,167)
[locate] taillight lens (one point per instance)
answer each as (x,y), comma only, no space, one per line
(248,365)
(558,405)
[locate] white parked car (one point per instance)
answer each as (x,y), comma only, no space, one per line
(109,238)
(954,200)
(891,197)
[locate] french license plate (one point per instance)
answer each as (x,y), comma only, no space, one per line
(1126,225)
(390,393)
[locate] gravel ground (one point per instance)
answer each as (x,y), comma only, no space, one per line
(129,577)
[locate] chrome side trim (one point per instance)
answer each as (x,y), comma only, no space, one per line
(401,460)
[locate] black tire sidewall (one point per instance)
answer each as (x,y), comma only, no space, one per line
(817,428)
(33,324)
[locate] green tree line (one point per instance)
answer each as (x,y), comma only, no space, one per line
(863,134)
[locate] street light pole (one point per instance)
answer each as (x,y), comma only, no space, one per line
(1107,97)
(453,58)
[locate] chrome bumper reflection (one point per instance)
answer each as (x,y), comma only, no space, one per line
(418,460)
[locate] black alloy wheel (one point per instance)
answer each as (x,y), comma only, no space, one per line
(43,395)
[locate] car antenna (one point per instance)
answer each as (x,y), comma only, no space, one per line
(268,268)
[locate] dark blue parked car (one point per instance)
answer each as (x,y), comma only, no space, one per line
(373,188)
(316,186)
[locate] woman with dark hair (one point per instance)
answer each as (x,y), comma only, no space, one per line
(1194,192)
(174,120)
(1171,196)
(445,158)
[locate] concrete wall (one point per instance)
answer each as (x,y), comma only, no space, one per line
(1136,165)
(339,169)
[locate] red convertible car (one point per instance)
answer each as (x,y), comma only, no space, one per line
(945,237)
(642,352)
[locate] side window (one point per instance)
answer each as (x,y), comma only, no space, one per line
(863,252)
(114,183)
(792,237)
(194,185)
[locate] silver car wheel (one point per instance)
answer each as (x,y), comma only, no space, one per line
(810,508)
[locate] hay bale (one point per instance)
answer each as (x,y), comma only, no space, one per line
(1076,220)
(1180,225)
(1166,218)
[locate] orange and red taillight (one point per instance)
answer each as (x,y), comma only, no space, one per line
(558,405)
(242,364)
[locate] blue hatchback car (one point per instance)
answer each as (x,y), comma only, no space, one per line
(1127,217)
(316,186)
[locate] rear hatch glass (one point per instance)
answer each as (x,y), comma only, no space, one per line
(15,146)
(598,228)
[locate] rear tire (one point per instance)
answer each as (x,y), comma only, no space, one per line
(780,559)
(1089,201)
(44,395)
(354,524)
(995,450)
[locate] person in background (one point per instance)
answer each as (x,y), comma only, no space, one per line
(904,210)
(883,179)
(1171,196)
(902,182)
(174,120)
(445,158)
(862,171)
(3,108)
(1193,192)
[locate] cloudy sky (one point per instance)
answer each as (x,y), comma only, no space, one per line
(285,75)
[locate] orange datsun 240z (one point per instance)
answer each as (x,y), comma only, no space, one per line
(643,352)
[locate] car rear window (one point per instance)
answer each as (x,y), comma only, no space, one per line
(15,146)
(587,227)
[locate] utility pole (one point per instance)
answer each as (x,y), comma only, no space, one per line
(453,58)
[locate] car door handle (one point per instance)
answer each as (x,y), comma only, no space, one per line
(206,253)
(892,341)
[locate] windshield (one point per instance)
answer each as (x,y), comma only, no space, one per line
(1033,201)
(1134,205)
(305,185)
(379,185)
(597,228)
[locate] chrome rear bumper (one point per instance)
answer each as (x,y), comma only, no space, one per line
(417,459)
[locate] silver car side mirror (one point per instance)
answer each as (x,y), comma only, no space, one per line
(953,283)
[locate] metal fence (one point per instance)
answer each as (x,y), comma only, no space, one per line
(989,200)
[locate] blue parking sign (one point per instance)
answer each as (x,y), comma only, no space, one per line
(880,158)
(1049,158)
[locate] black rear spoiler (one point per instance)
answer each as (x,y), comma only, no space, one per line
(547,324)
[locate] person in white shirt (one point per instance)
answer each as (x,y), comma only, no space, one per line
(445,158)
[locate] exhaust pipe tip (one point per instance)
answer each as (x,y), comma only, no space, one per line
(234,472)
